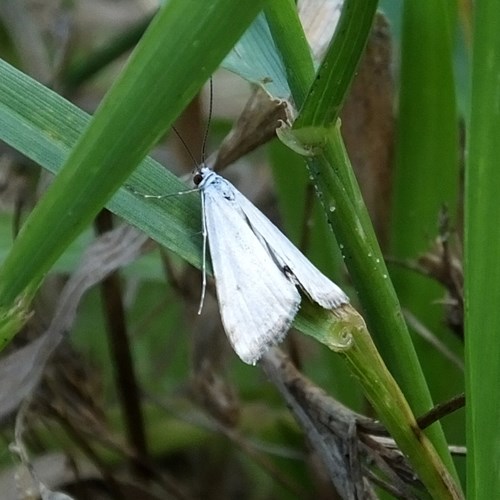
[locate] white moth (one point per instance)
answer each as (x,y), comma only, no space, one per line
(258,272)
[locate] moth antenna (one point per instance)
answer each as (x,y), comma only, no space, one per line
(205,135)
(209,121)
(186,147)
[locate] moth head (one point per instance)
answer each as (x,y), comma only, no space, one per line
(197,178)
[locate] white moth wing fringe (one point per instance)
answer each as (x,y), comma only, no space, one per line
(313,282)
(257,301)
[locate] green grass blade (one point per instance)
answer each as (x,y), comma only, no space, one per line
(482,255)
(334,76)
(45,127)
(291,41)
(427,166)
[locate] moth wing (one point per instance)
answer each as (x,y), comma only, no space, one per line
(311,280)
(257,301)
